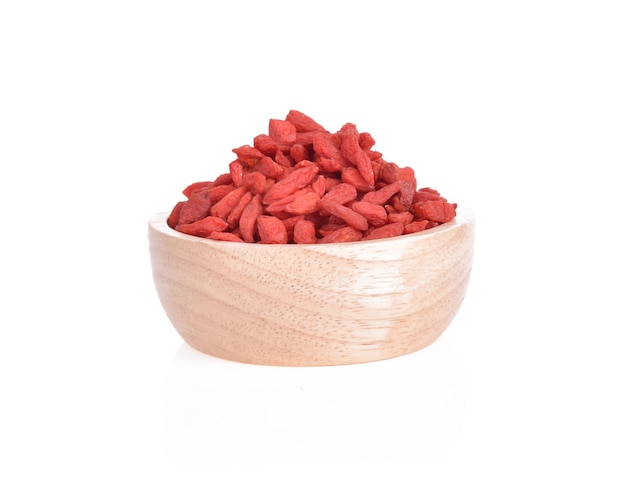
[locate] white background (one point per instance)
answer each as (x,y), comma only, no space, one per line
(109,109)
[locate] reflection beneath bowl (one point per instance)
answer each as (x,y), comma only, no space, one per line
(218,412)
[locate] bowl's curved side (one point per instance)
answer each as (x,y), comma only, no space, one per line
(303,305)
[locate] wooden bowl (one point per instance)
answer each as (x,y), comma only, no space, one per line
(312,305)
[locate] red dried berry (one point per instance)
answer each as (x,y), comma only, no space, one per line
(300,183)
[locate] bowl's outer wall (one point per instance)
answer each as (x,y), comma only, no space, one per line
(311,305)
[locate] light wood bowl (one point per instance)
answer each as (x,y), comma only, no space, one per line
(312,305)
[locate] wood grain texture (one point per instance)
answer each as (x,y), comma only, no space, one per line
(312,305)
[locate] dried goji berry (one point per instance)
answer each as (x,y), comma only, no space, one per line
(348,215)
(366,141)
(352,176)
(203,227)
(236,171)
(271,230)
(283,132)
(283,160)
(375,156)
(291,221)
(319,186)
(342,235)
(351,151)
(328,165)
(295,180)
(385,231)
(302,205)
(249,215)
(406,191)
(306,163)
(192,188)
(425,194)
(382,195)
(375,214)
(235,214)
(254,182)
(376,170)
(279,205)
(268,167)
(331,182)
(305,138)
(224,178)
(341,193)
(216,193)
(172,220)
(324,145)
(403,217)
(224,206)
(225,236)
(330,227)
(248,154)
(438,211)
(304,232)
(398,206)
(406,173)
(302,122)
(298,152)
(415,226)
(196,207)
(266,144)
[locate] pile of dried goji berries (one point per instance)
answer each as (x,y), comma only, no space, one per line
(303,184)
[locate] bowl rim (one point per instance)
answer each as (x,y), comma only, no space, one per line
(464,216)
